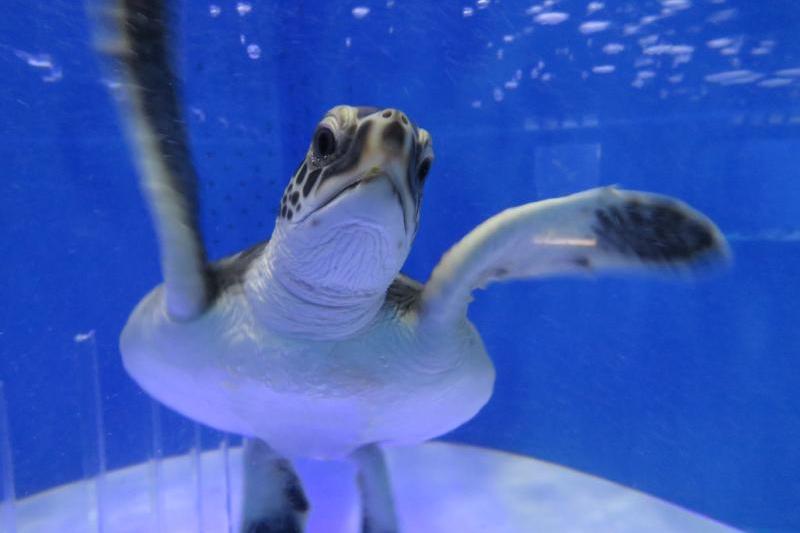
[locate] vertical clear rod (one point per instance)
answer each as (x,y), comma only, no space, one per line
(99,431)
(197,459)
(8,512)
(156,481)
(226,472)
(94,443)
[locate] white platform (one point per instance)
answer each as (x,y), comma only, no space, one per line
(439,487)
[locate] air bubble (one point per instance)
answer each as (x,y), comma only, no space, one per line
(360,12)
(722,16)
(593,26)
(243,8)
(253,51)
(604,69)
(788,72)
(594,6)
(676,4)
(552,18)
(734,77)
(720,42)
(774,82)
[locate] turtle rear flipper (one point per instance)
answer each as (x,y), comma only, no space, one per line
(273,496)
(134,37)
(593,232)
(378,513)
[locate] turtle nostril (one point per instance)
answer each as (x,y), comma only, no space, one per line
(387,113)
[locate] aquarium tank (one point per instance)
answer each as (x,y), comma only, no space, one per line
(626,402)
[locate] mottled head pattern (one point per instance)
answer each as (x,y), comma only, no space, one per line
(353,145)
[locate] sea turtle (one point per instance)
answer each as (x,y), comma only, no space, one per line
(312,344)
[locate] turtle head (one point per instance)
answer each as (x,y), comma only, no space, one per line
(352,207)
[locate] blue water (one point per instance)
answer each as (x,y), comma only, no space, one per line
(688,391)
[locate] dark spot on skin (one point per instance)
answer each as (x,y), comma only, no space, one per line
(312,179)
(295,196)
(500,272)
(394,136)
(301,174)
(387,114)
(583,262)
(404,119)
(283,211)
(653,232)
(289,214)
(314,222)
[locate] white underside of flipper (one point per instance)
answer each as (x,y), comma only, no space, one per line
(133,38)
(593,232)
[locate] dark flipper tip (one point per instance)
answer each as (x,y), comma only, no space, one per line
(660,232)
(283,524)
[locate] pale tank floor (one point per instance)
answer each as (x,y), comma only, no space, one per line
(439,488)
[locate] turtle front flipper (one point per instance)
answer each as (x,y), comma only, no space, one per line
(593,232)
(134,36)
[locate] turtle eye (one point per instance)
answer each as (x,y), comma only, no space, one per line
(422,173)
(324,142)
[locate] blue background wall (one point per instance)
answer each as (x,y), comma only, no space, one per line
(687,391)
